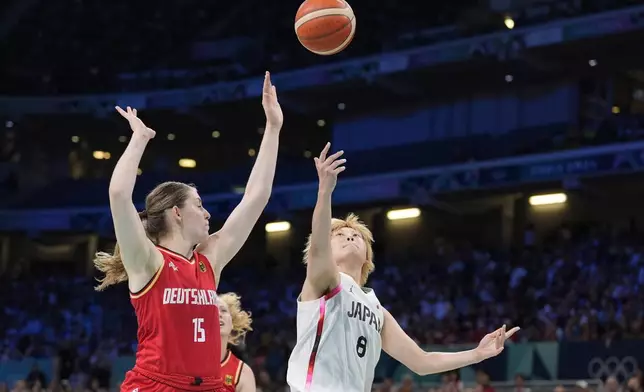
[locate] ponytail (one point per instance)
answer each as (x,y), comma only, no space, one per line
(112,264)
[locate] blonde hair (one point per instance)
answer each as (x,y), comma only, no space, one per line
(352,221)
(112,266)
(241,318)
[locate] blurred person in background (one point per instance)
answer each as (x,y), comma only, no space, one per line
(387,385)
(519,384)
(483,382)
(266,384)
(407,384)
(65,361)
(36,375)
(612,385)
(20,386)
(634,385)
(582,386)
(559,388)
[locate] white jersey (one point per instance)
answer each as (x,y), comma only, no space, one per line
(338,341)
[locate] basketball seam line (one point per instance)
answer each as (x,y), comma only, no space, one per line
(341,47)
(322,36)
(348,12)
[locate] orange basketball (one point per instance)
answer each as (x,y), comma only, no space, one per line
(325,27)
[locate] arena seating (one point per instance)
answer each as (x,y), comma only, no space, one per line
(453,295)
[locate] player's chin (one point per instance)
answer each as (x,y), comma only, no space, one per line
(202,236)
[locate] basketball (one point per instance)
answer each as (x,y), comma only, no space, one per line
(325,27)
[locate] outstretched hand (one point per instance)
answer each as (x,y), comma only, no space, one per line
(272,109)
(329,168)
(138,127)
(492,344)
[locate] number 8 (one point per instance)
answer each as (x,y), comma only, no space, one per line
(361,346)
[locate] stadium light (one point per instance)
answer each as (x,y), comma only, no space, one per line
(548,199)
(101,155)
(187,163)
(509,22)
(277,227)
(407,213)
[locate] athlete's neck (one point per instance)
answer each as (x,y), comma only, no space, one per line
(356,275)
(224,347)
(177,244)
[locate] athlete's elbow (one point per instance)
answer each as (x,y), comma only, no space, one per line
(418,368)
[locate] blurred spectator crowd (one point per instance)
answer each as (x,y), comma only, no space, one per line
(578,284)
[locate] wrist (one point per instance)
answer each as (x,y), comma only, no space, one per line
(138,138)
(477,356)
(272,128)
(324,193)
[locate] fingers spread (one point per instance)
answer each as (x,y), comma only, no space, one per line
(333,157)
(121,111)
(511,332)
(337,163)
(339,170)
(325,150)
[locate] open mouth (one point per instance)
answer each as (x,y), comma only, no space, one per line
(221,323)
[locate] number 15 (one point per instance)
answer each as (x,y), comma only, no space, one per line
(199,331)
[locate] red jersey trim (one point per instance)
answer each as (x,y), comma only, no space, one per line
(148,285)
(226,358)
(240,366)
(190,260)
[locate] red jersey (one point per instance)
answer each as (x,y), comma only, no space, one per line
(231,368)
(178,318)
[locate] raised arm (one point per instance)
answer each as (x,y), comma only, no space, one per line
(402,348)
(246,380)
(321,272)
(223,245)
(138,254)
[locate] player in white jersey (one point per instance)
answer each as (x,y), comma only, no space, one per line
(341,326)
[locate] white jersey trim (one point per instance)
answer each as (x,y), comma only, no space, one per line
(318,333)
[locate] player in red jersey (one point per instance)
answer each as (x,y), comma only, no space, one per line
(172,264)
(235,323)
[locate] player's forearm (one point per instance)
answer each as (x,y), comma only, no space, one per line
(260,182)
(439,362)
(321,224)
(125,171)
